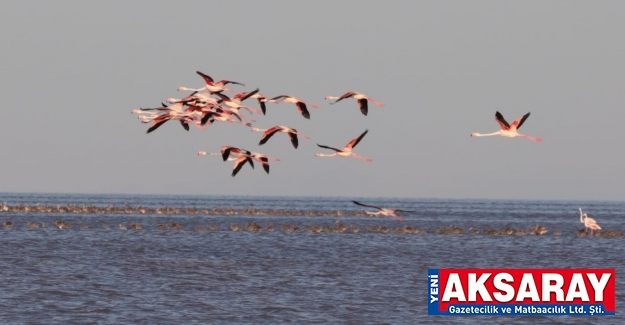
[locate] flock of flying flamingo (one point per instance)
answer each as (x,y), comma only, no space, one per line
(208,104)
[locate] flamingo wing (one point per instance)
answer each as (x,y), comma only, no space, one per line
(206,117)
(326,147)
(225,151)
(223,97)
(157,123)
(237,116)
(293,136)
(268,134)
(262,105)
(185,125)
(265,162)
(302,109)
(365,205)
(502,121)
(279,97)
(346,95)
(225,82)
(238,164)
(206,77)
(364,106)
(355,141)
(250,94)
(193,108)
(517,124)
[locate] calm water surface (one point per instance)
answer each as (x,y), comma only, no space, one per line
(151,276)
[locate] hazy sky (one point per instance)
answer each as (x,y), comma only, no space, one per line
(71,72)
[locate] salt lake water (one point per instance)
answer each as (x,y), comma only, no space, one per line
(75,275)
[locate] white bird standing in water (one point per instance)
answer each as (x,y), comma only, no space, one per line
(589,223)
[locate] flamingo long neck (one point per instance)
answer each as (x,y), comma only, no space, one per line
(581,216)
(192,89)
(326,155)
(487,134)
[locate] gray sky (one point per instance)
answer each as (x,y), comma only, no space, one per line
(71,72)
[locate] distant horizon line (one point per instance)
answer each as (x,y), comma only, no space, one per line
(301,196)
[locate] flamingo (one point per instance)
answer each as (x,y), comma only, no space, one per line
(222,115)
(227,151)
(196,98)
(347,151)
(261,101)
(161,119)
(238,164)
(362,100)
(211,85)
(507,130)
(280,128)
(173,112)
(301,105)
(235,102)
(239,160)
(382,211)
(589,223)
(264,159)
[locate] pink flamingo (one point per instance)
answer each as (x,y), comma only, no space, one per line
(362,100)
(173,112)
(238,161)
(589,223)
(382,211)
(507,130)
(280,128)
(235,102)
(196,98)
(227,151)
(222,115)
(301,105)
(264,159)
(347,151)
(211,85)
(261,100)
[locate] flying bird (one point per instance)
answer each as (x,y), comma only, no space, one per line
(382,211)
(507,130)
(280,128)
(239,156)
(301,105)
(263,159)
(235,102)
(362,100)
(347,151)
(173,112)
(261,101)
(212,86)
